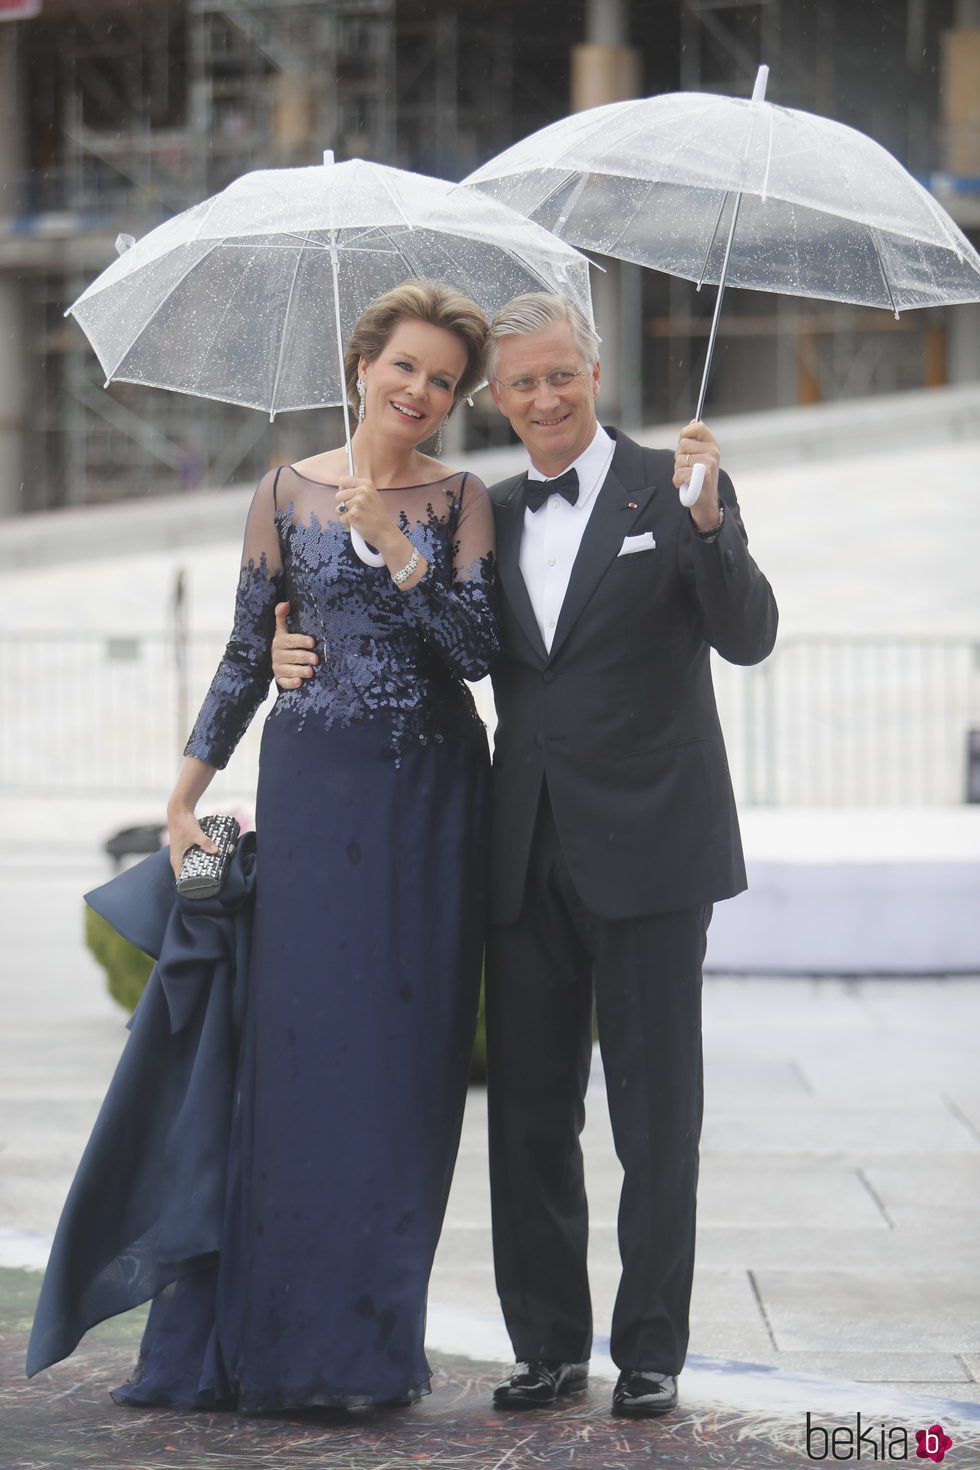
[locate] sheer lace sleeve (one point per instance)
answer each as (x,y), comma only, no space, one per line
(245,672)
(456,618)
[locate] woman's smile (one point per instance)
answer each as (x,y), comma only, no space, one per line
(406,412)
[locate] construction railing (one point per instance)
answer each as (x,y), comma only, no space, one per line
(825,721)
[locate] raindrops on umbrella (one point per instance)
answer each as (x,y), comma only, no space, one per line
(737,191)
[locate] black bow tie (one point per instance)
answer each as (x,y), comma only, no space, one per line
(536,492)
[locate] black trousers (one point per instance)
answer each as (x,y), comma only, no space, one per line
(644,976)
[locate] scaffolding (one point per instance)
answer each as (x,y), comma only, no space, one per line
(139,111)
(131,112)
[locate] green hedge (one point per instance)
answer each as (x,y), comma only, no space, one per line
(478,1061)
(128,969)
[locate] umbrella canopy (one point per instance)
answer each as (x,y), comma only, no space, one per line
(825,211)
(725,190)
(249,296)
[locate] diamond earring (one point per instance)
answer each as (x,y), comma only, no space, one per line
(361,390)
(437,447)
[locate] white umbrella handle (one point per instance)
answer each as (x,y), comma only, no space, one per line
(690,493)
(368,557)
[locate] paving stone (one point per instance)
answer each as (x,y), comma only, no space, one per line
(786,1193)
(955,1392)
(784,1015)
(744,1078)
(726,1320)
(913,1071)
(55,1163)
(49,1089)
(956,1244)
(942,1008)
(463,1285)
(846,1130)
(462,1247)
(50,1122)
(871,1311)
(32,1200)
(965,1101)
(927,1190)
(911,1367)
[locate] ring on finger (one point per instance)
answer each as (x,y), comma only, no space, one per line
(342,508)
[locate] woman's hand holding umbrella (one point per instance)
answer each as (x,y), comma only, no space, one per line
(362,509)
(359,504)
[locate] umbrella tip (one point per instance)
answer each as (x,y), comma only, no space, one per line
(124,243)
(761,82)
(327,157)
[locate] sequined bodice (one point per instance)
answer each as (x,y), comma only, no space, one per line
(396,659)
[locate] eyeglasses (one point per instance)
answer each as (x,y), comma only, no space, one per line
(525,387)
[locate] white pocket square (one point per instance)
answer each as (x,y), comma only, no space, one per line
(643,542)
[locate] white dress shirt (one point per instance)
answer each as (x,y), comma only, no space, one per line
(553,534)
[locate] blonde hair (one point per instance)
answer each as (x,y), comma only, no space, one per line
(535,312)
(424,301)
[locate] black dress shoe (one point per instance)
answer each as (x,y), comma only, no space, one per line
(640,1395)
(533,1384)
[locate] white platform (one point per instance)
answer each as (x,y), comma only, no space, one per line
(854,892)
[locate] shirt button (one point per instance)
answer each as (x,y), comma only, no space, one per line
(555,503)
(551,622)
(551,561)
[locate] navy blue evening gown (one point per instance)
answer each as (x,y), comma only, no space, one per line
(365,960)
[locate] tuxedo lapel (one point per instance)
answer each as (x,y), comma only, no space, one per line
(509,527)
(622,498)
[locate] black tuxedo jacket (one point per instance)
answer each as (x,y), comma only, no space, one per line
(620,718)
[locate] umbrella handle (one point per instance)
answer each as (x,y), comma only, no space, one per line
(362,549)
(690,493)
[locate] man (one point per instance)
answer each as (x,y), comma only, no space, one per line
(614,831)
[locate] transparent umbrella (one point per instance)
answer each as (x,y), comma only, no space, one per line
(722,189)
(250,296)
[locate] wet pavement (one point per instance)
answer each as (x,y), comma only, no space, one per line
(839,1236)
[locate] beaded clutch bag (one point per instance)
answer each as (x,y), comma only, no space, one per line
(202,873)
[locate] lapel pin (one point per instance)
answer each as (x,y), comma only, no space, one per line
(632,505)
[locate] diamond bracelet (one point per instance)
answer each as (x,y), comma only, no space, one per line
(407,569)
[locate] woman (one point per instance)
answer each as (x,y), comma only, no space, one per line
(368,897)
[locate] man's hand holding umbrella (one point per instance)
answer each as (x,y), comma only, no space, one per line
(697,445)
